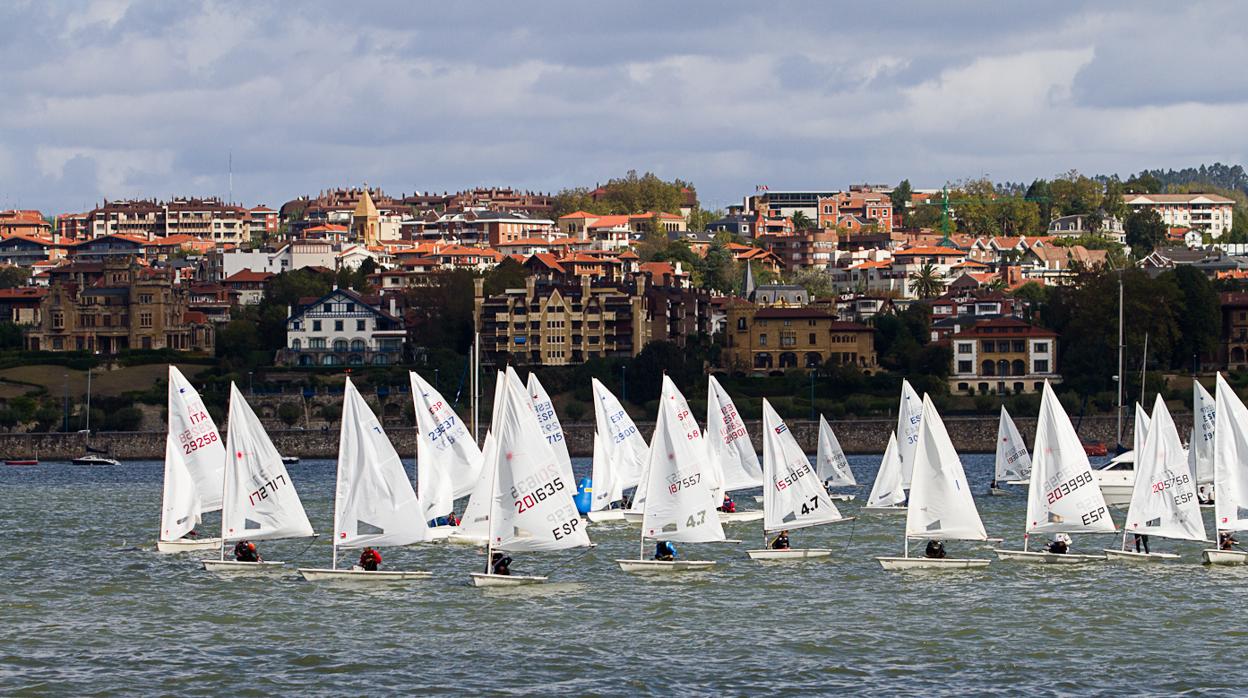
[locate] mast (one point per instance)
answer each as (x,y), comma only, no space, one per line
(225,479)
(489,541)
(1144,369)
(476,385)
(1120,350)
(88,405)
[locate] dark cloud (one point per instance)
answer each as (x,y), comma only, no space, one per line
(119,98)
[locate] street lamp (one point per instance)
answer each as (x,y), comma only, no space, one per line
(624,383)
(251,388)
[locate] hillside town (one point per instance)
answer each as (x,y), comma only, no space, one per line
(786,280)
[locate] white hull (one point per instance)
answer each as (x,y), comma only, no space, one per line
(882,510)
(664,566)
(1224,557)
(461,538)
(605,515)
(1132,556)
(741,516)
(790,554)
(634,517)
(1041,557)
(236,567)
(183,545)
(998,492)
(326,575)
(1116,486)
(928,563)
(1018,483)
(481,579)
(442,532)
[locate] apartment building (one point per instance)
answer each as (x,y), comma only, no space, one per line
(766,339)
(1001,356)
(1209,213)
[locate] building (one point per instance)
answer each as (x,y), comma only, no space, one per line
(1233,343)
(29,223)
(343,328)
(1001,356)
(118,305)
(1079,225)
(1209,213)
(805,249)
(765,339)
(247,287)
(20,305)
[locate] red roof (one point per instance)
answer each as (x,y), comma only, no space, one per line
(248,276)
(948,251)
(1004,327)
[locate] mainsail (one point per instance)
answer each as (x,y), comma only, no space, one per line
(447,458)
(1163,501)
(830,461)
(733,462)
(793,493)
(1230,460)
(887,491)
(941,505)
(679,504)
(548,419)
(1063,495)
(1200,450)
(1013,462)
(909,421)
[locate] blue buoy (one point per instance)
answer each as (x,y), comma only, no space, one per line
(584,495)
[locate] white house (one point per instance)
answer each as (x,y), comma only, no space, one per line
(343,328)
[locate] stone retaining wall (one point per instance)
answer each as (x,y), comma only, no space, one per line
(969,434)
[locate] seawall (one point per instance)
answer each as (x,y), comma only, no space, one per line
(969,434)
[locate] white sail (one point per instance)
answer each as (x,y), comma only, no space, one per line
(941,505)
(196,437)
(447,458)
(602,478)
(180,507)
(1013,461)
(1063,495)
(260,502)
(733,461)
(622,440)
(793,493)
(830,461)
(887,490)
(1142,425)
(1200,449)
(1163,501)
(374,503)
(544,407)
(532,504)
(1230,460)
(909,421)
(679,504)
(476,518)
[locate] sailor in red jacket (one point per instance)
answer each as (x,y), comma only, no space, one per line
(370,559)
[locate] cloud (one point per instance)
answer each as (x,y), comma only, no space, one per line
(113,99)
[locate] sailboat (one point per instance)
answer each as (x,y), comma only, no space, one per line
(620,454)
(1062,496)
(941,506)
(448,460)
(259,501)
(1163,503)
(1117,478)
(887,494)
(1230,468)
(1200,448)
(730,455)
(909,421)
(474,525)
(1013,464)
(92,456)
(374,503)
(548,419)
(678,503)
(831,464)
(793,494)
(531,503)
(194,469)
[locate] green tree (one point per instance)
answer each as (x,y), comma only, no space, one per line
(699,218)
(13,276)
(1144,231)
(507,274)
(1039,193)
(927,281)
(719,269)
(801,221)
(900,197)
(1200,317)
(1073,193)
(10,335)
(289,413)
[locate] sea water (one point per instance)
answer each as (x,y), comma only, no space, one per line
(88,607)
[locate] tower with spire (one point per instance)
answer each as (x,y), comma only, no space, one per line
(747,284)
(365,220)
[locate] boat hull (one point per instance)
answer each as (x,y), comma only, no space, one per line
(1224,557)
(928,563)
(1019,483)
(27,461)
(790,554)
(605,515)
(236,567)
(94,460)
(664,566)
(461,538)
(998,492)
(442,532)
(1132,556)
(883,510)
(758,498)
(327,575)
(481,579)
(1116,486)
(741,516)
(183,545)
(1040,557)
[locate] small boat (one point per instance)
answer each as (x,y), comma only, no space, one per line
(93,459)
(1062,498)
(22,461)
(448,459)
(1095,449)
(374,503)
(290,460)
(186,545)
(1012,464)
(1229,463)
(1163,502)
(887,494)
(620,454)
(194,469)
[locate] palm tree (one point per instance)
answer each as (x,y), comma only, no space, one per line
(801,221)
(927,282)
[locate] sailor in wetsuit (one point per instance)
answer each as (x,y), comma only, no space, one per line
(370,560)
(781,542)
(1060,544)
(245,551)
(665,551)
(500,564)
(935,550)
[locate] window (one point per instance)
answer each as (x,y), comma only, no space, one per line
(316,343)
(1042,365)
(965,348)
(965,367)
(360,324)
(145,319)
(812,338)
(145,298)
(989,346)
(295,325)
(58,320)
(741,323)
(1041,347)
(316,325)
(762,339)
(337,325)
(350,307)
(788,340)
(1020,346)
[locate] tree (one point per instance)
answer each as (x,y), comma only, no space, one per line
(699,218)
(900,198)
(13,276)
(10,335)
(1200,317)
(289,413)
(1043,198)
(1144,231)
(1112,203)
(816,281)
(507,274)
(801,221)
(927,282)
(1073,193)
(719,268)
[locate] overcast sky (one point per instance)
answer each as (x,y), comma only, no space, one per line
(124,99)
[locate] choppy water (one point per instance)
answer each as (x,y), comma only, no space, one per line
(81,614)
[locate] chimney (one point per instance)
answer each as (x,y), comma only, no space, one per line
(393,306)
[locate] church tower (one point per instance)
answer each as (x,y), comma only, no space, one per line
(365,221)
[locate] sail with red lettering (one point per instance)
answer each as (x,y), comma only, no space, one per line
(194,461)
(448,460)
(1163,500)
(733,463)
(259,499)
(1063,496)
(794,495)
